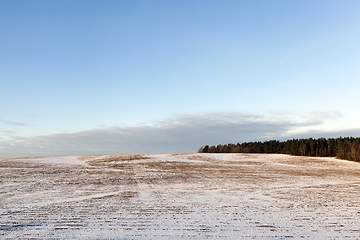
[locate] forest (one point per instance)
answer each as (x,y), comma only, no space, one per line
(347,148)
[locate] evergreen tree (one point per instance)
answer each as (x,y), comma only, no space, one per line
(343,148)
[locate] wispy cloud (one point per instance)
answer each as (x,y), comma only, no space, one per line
(13,123)
(178,134)
(8,132)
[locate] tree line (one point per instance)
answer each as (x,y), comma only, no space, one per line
(344,148)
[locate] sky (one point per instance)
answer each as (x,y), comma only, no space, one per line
(111,77)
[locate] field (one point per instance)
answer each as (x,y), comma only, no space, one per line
(174,196)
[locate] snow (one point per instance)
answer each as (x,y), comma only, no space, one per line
(171,158)
(58,160)
(174,196)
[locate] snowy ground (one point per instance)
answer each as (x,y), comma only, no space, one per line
(214,196)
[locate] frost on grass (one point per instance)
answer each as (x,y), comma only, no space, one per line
(223,196)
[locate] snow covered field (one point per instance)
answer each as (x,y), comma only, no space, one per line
(214,196)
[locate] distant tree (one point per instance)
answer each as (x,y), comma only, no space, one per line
(343,148)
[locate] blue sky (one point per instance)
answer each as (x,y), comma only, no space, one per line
(93,77)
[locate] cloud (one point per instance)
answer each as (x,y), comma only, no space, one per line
(8,132)
(13,123)
(179,134)
(318,117)
(353,132)
(312,118)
